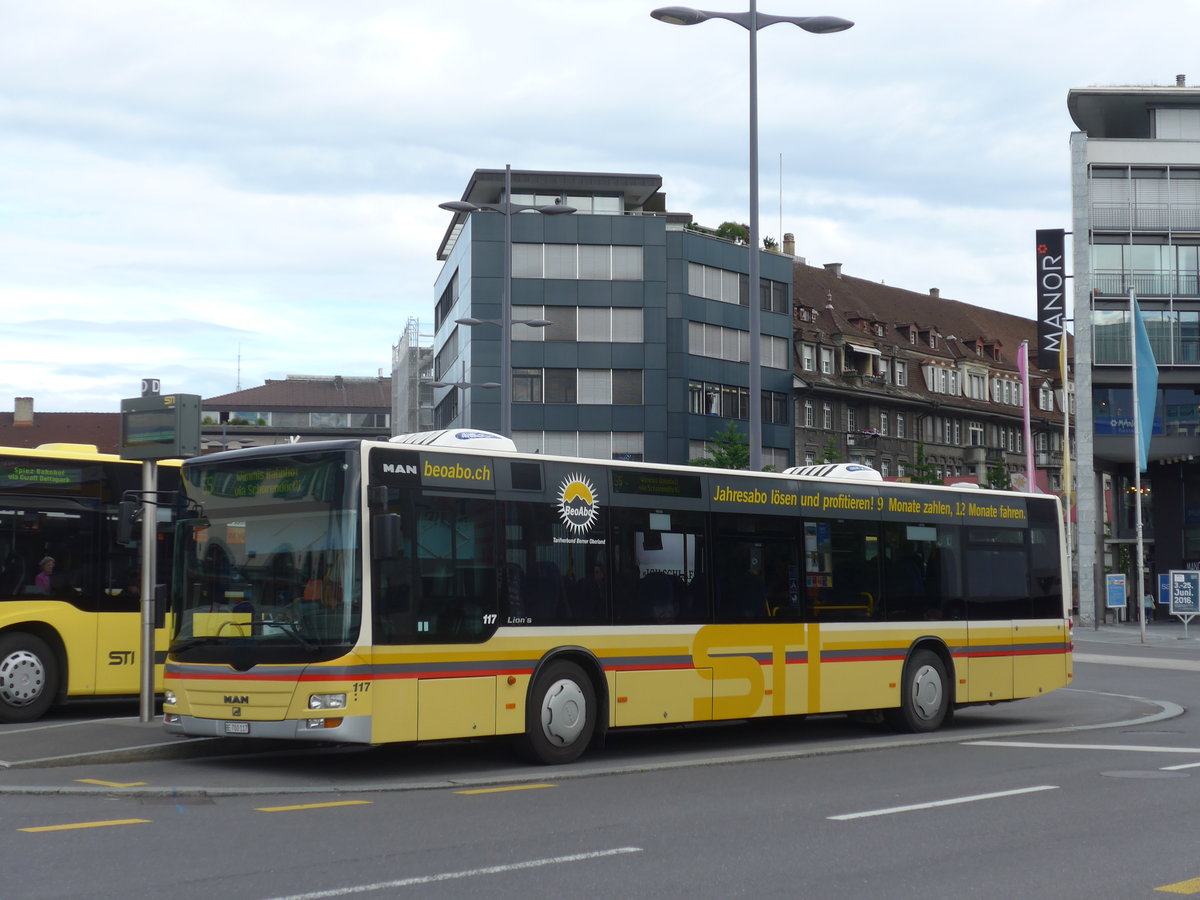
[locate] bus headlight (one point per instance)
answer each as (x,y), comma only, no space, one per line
(168,698)
(326,701)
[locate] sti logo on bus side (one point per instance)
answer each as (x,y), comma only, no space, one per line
(399,469)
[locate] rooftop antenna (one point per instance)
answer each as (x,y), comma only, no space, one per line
(239,367)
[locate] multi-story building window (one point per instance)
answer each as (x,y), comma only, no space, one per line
(884,424)
(826,356)
(717,342)
(808,357)
(976,386)
(899,425)
(827,416)
(592,262)
(617,325)
(851,418)
(810,415)
(975,434)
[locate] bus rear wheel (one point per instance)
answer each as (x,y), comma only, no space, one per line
(28,677)
(560,715)
(924,695)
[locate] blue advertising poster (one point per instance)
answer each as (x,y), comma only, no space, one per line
(1115,594)
(1164,590)
(1185,592)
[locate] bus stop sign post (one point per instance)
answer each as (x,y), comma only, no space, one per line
(154,427)
(1185,596)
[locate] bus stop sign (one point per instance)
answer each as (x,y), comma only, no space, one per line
(155,427)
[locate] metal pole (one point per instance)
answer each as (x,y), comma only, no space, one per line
(755,281)
(149,580)
(506,313)
(1137,467)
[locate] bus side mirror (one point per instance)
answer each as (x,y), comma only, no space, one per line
(127,514)
(387,535)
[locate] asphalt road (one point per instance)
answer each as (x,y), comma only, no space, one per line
(1029,799)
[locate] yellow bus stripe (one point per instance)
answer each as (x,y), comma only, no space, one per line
(501,790)
(88,825)
(314,806)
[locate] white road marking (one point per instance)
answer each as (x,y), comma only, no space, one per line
(1183,766)
(936,803)
(1032,745)
(1185,665)
(468,873)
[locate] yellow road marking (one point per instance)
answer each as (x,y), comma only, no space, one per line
(88,825)
(501,790)
(111,783)
(1191,886)
(314,806)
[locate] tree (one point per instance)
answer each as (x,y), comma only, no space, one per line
(998,476)
(830,454)
(769,243)
(730,450)
(923,471)
(732,231)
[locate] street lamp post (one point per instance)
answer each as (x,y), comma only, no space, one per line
(508,209)
(461,386)
(753,21)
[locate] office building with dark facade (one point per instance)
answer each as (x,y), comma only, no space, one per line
(1135,164)
(647,354)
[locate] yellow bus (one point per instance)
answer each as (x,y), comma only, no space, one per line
(445,586)
(70,611)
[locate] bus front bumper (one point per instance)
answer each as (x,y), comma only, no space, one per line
(348,730)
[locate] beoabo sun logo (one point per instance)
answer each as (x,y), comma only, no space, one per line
(577,506)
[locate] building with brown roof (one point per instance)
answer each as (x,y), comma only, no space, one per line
(883,374)
(23,427)
(297,408)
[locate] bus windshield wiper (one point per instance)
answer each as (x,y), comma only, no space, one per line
(292,630)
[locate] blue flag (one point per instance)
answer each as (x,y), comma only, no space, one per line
(1147,384)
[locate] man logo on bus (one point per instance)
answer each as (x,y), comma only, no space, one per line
(577,503)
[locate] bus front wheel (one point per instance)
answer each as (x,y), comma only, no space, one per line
(924,695)
(28,677)
(560,715)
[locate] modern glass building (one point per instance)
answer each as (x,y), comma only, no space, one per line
(1135,165)
(647,353)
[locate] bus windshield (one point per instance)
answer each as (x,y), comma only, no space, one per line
(267,560)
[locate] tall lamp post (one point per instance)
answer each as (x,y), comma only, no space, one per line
(508,209)
(753,21)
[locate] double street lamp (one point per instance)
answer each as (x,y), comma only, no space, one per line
(753,21)
(508,209)
(461,386)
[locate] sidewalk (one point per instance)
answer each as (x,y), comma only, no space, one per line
(1161,636)
(48,744)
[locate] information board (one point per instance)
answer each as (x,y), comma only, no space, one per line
(1115,591)
(1185,592)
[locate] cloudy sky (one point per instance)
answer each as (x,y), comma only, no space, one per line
(216,193)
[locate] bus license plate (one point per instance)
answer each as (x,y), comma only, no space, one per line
(237,727)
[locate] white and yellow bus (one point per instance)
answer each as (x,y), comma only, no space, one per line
(445,586)
(70,612)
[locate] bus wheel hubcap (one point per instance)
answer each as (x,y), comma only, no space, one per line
(22,678)
(564,711)
(927,692)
